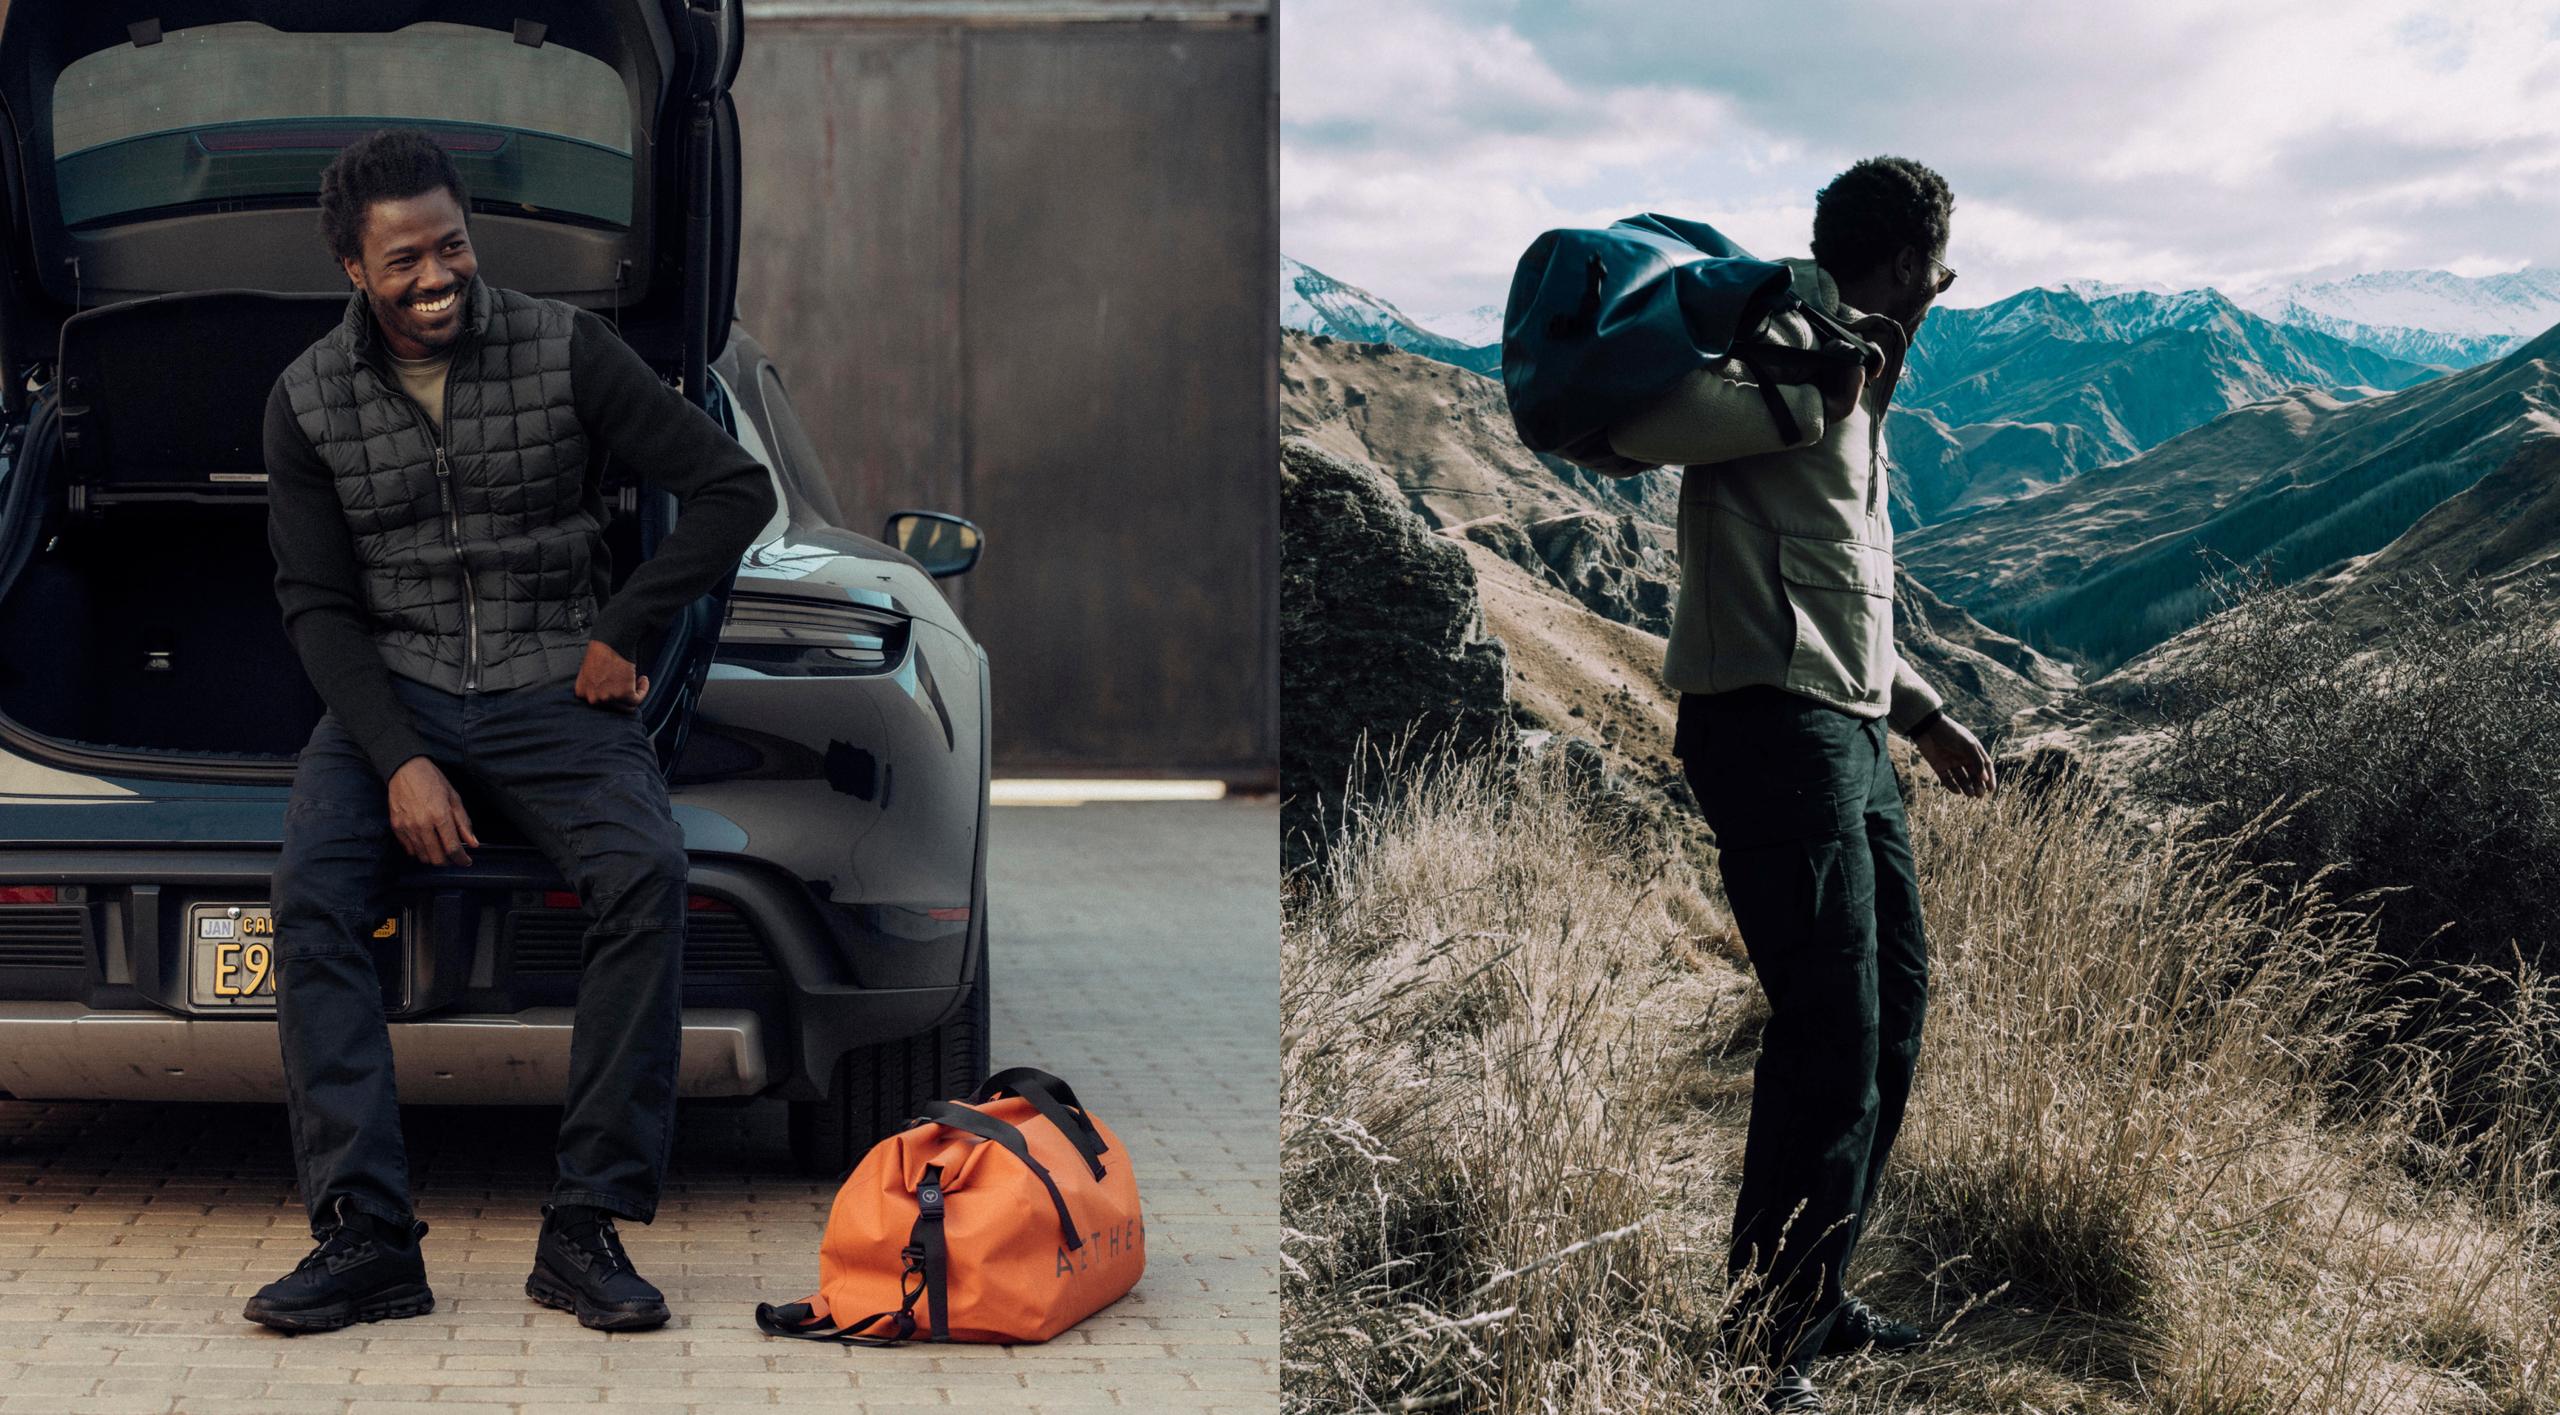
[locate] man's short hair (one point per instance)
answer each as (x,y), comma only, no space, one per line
(385,165)
(1875,209)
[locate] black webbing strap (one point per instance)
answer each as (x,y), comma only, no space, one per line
(926,1246)
(1789,430)
(1057,1104)
(1837,347)
(987,1127)
(925,1276)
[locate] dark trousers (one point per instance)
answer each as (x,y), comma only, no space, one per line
(583,783)
(1816,861)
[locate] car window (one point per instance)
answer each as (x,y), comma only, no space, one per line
(800,455)
(229,113)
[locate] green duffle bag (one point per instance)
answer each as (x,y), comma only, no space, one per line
(1601,324)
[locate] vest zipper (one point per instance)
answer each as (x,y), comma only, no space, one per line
(444,494)
(453,538)
(470,600)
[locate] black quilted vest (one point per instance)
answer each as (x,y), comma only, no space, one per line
(483,554)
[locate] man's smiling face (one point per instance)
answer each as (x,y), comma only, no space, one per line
(417,259)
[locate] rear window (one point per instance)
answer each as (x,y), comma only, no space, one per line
(238,114)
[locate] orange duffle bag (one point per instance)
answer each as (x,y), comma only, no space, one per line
(1009,1218)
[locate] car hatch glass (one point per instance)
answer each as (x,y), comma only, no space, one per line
(238,114)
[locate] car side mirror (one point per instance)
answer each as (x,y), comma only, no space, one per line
(945,545)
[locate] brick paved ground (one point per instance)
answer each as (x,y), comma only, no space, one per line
(1137,955)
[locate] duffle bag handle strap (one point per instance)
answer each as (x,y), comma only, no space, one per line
(1057,1104)
(925,1277)
(987,1127)
(1770,363)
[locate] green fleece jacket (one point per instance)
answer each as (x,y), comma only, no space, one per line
(1786,551)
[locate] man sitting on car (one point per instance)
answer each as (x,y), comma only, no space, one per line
(442,572)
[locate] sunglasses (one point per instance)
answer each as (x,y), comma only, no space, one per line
(1944,280)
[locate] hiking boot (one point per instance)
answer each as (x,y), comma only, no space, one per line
(363,1269)
(1859,1327)
(1794,1394)
(579,1266)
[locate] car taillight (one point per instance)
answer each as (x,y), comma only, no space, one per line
(560,899)
(28,894)
(949,916)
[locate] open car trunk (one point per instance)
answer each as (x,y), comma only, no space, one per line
(155,627)
(151,161)
(141,617)
(182,151)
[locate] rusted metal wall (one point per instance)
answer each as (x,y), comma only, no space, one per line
(1014,260)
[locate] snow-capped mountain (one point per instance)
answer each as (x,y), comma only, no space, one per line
(2431,316)
(1319,304)
(2080,310)
(2520,302)
(1479,326)
(2100,289)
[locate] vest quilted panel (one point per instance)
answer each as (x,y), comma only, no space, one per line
(483,554)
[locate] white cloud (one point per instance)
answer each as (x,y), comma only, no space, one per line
(1426,141)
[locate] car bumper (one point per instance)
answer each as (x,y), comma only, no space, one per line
(479,977)
(67,1051)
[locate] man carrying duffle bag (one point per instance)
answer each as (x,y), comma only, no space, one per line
(1659,341)
(1008,1217)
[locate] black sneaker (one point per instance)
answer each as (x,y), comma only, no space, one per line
(579,1266)
(1859,1327)
(363,1270)
(1794,1394)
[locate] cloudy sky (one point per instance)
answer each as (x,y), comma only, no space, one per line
(1424,142)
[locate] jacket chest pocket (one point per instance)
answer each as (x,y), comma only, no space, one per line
(1841,594)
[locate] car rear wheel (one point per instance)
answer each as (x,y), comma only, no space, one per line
(877,1089)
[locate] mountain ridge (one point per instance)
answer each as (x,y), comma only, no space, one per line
(2001,400)
(2103,568)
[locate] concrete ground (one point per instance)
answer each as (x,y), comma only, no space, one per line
(1137,955)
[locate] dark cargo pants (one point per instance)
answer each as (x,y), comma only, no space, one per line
(583,783)
(1816,860)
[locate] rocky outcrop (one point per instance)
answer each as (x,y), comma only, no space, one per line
(1505,538)
(1608,563)
(1381,636)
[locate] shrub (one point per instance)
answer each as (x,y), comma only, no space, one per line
(2411,751)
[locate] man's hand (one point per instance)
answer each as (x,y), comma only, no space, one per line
(1840,391)
(606,679)
(427,814)
(1958,759)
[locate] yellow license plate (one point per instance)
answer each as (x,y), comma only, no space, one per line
(232,948)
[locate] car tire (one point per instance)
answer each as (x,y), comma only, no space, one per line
(876,1090)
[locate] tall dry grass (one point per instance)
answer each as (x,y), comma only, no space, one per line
(1516,1044)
